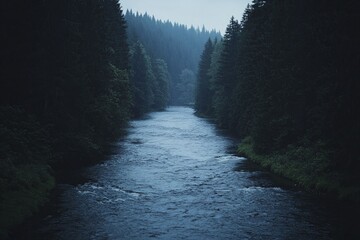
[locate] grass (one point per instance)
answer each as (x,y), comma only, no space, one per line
(309,167)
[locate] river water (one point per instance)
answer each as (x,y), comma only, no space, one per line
(175,176)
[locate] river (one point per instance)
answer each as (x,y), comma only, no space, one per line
(175,176)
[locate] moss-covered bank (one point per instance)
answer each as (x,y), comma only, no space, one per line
(309,167)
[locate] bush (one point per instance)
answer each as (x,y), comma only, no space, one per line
(25,178)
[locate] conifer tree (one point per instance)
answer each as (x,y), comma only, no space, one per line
(142,80)
(203,98)
(162,80)
(227,74)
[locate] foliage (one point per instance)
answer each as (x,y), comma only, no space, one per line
(162,82)
(142,80)
(179,46)
(22,139)
(203,98)
(226,75)
(23,194)
(286,78)
(64,93)
(149,82)
(24,174)
(307,166)
(185,88)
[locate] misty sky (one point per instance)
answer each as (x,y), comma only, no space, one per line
(214,14)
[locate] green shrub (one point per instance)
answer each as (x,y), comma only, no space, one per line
(25,178)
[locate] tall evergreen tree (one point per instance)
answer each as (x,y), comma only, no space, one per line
(162,81)
(213,74)
(203,98)
(227,74)
(142,80)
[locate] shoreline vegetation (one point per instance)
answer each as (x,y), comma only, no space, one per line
(64,93)
(285,81)
(307,167)
(24,196)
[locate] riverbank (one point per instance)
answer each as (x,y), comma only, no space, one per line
(27,193)
(33,156)
(307,167)
(23,195)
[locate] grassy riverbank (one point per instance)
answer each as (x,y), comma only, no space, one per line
(23,195)
(308,167)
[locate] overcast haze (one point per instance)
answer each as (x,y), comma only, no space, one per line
(213,14)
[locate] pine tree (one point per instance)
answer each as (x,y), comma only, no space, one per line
(142,80)
(227,74)
(162,79)
(203,99)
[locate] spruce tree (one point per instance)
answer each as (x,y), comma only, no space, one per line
(227,74)
(203,99)
(162,80)
(142,80)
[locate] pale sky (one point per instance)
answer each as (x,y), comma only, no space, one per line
(214,14)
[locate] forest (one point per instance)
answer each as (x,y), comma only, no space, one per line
(65,94)
(176,44)
(75,72)
(284,79)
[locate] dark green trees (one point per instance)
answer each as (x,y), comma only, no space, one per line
(227,74)
(161,85)
(185,88)
(89,87)
(64,93)
(149,82)
(204,93)
(180,47)
(142,80)
(105,58)
(285,78)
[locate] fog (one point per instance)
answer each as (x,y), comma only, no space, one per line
(213,14)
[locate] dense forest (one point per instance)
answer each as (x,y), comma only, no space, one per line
(65,94)
(177,45)
(285,79)
(74,72)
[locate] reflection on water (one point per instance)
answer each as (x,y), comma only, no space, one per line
(173,177)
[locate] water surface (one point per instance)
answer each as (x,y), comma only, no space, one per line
(175,177)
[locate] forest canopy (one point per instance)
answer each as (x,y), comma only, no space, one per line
(285,79)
